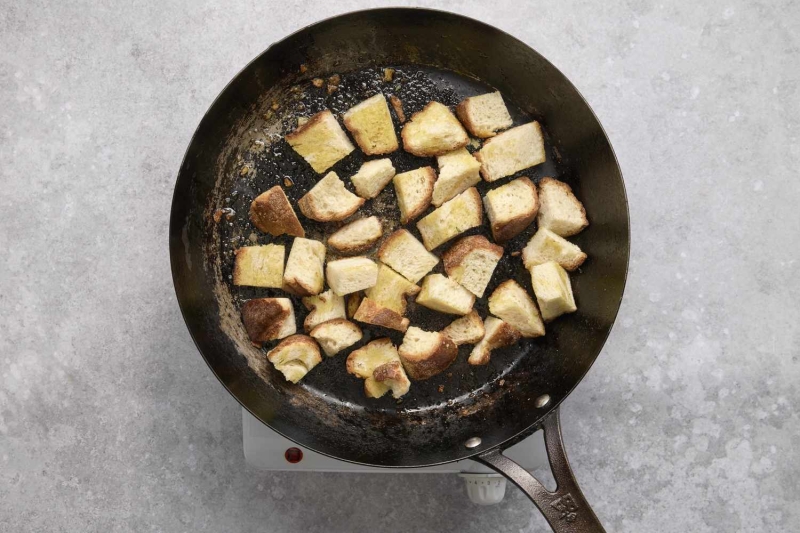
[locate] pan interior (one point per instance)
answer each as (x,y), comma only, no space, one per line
(239,151)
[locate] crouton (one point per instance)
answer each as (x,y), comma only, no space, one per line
(467,329)
(303,275)
(471,262)
(353,303)
(370,312)
(498,334)
(445,295)
(484,115)
(320,141)
(511,151)
(336,335)
(546,246)
(267,319)
(329,200)
(397,105)
(351,274)
(454,217)
(414,190)
(553,290)
(372,177)
(371,126)
(322,308)
(458,171)
(379,365)
(433,131)
(259,266)
(295,356)
(272,213)
(357,236)
(511,303)
(425,354)
(391,290)
(511,208)
(407,255)
(559,210)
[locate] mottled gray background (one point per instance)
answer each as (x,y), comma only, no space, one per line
(109,419)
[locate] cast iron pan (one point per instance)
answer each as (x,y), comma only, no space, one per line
(238,151)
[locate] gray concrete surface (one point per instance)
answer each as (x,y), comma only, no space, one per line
(110,421)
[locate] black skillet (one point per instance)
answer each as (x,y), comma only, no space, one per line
(467,412)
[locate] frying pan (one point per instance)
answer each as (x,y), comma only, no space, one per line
(238,151)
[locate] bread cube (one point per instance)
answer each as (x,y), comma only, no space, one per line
(322,308)
(303,274)
(498,334)
(445,295)
(267,319)
(467,329)
(406,255)
(351,274)
(458,171)
(425,354)
(454,217)
(546,246)
(511,151)
(484,115)
(272,213)
(320,141)
(329,200)
(511,208)
(336,335)
(372,177)
(511,303)
(471,262)
(357,236)
(559,210)
(391,290)
(295,356)
(433,131)
(414,190)
(553,290)
(379,365)
(370,312)
(371,126)
(259,266)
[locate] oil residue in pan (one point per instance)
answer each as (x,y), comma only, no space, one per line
(266,160)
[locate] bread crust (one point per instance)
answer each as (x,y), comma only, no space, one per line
(397,105)
(263,318)
(370,312)
(504,335)
(456,254)
(387,371)
(425,365)
(339,245)
(272,213)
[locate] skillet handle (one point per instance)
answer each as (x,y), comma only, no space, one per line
(566,509)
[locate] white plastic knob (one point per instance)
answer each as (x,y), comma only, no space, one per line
(485,489)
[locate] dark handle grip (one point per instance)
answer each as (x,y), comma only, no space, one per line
(565,509)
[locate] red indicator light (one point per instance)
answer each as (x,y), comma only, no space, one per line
(294,455)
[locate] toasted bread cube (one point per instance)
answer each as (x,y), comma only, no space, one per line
(329,200)
(445,295)
(484,115)
(372,177)
(511,151)
(320,141)
(471,262)
(553,290)
(454,217)
(323,307)
(357,236)
(511,303)
(546,246)
(370,312)
(371,126)
(559,210)
(379,365)
(351,274)
(259,266)
(467,329)
(397,105)
(407,255)
(295,356)
(458,171)
(414,189)
(425,354)
(303,275)
(433,131)
(267,319)
(511,208)
(391,290)
(498,334)
(272,213)
(336,335)
(353,303)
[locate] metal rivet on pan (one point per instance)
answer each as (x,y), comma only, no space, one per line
(474,442)
(542,400)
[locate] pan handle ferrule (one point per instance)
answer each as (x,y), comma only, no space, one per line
(565,509)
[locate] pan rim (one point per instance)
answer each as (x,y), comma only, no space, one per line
(176,228)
